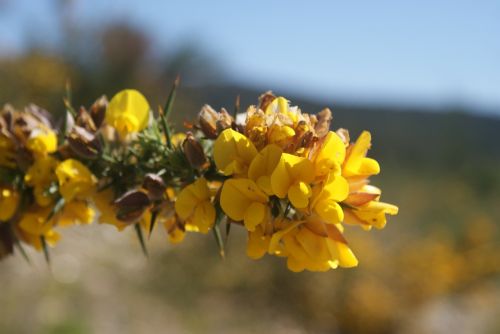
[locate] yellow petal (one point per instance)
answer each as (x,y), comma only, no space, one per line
(204,216)
(255,214)
(257,244)
(128,112)
(330,156)
(357,163)
(42,141)
(9,201)
(190,196)
(237,195)
(299,194)
(263,165)
(233,152)
(75,179)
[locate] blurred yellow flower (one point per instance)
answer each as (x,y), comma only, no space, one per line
(128,112)
(103,200)
(75,179)
(9,201)
(242,200)
(39,176)
(193,205)
(42,140)
(233,152)
(258,243)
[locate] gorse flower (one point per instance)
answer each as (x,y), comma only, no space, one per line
(128,112)
(281,174)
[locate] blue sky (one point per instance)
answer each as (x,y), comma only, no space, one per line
(421,52)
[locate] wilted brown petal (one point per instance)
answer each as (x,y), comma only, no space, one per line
(84,120)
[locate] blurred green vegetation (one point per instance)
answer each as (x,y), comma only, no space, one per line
(435,268)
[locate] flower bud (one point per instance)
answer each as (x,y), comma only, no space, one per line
(154,185)
(208,121)
(131,206)
(194,152)
(84,143)
(84,120)
(224,121)
(98,110)
(324,120)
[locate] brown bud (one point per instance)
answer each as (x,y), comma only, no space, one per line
(224,121)
(265,100)
(194,152)
(131,206)
(84,143)
(98,110)
(207,119)
(42,115)
(84,120)
(324,120)
(154,185)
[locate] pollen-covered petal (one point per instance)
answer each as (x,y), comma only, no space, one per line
(254,215)
(299,194)
(233,152)
(237,195)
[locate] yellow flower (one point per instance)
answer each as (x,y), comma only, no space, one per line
(326,199)
(128,112)
(281,106)
(75,212)
(330,155)
(258,243)
(291,178)
(9,201)
(39,176)
(42,140)
(366,209)
(356,162)
(280,135)
(233,152)
(75,179)
(103,200)
(313,245)
(241,199)
(194,206)
(263,165)
(33,225)
(174,231)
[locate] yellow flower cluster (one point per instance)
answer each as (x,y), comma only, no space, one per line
(280,173)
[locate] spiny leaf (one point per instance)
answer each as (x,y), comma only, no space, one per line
(58,207)
(140,236)
(217,234)
(154,215)
(22,251)
(166,111)
(45,248)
